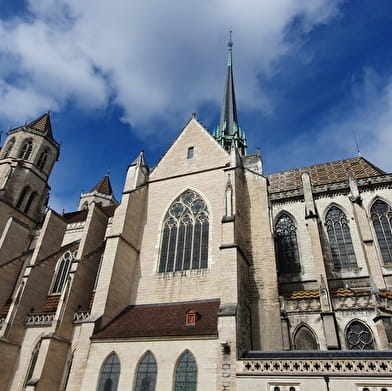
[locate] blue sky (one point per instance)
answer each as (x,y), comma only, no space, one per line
(122,76)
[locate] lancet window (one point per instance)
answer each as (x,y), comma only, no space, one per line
(22,196)
(340,241)
(184,244)
(32,364)
(287,245)
(305,339)
(9,147)
(42,159)
(381,214)
(62,271)
(26,150)
(110,373)
(146,373)
(186,373)
(359,336)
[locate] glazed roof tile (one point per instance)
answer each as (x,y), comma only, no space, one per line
(103,186)
(42,124)
(163,320)
(322,174)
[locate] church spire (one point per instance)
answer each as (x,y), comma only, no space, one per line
(228,129)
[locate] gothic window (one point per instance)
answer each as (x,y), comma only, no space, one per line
(186,373)
(62,270)
(305,339)
(287,245)
(42,159)
(26,150)
(30,201)
(146,373)
(110,373)
(9,147)
(33,362)
(22,196)
(184,244)
(359,336)
(381,214)
(338,230)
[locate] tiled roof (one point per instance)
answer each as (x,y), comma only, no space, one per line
(42,124)
(322,174)
(163,320)
(311,294)
(387,294)
(103,186)
(76,217)
(51,303)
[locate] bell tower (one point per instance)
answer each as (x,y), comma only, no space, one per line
(26,161)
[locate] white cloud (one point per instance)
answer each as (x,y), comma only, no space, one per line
(156,59)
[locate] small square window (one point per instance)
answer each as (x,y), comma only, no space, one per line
(190,153)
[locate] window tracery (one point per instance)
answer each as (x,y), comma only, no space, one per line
(9,147)
(110,373)
(287,245)
(381,215)
(340,241)
(146,373)
(62,271)
(359,337)
(186,373)
(184,243)
(26,150)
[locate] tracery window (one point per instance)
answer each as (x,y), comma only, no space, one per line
(62,270)
(340,242)
(359,336)
(26,150)
(33,362)
(186,373)
(287,245)
(381,214)
(9,147)
(146,373)
(110,373)
(184,244)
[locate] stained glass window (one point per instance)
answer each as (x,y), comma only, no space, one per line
(110,373)
(184,243)
(340,242)
(381,214)
(186,373)
(62,270)
(146,373)
(286,245)
(359,337)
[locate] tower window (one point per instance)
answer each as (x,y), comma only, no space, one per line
(22,196)
(9,147)
(30,201)
(42,159)
(381,214)
(184,244)
(286,245)
(190,153)
(339,236)
(26,150)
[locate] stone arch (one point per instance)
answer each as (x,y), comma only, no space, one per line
(304,338)
(359,336)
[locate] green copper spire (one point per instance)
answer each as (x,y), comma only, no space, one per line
(228,129)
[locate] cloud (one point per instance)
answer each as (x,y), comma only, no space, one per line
(155,59)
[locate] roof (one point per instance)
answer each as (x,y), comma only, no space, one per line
(81,215)
(322,174)
(42,124)
(163,320)
(103,186)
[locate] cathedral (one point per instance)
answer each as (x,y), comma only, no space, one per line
(208,274)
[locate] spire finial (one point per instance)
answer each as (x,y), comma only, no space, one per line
(230,44)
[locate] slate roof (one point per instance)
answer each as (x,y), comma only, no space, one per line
(163,320)
(322,174)
(103,186)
